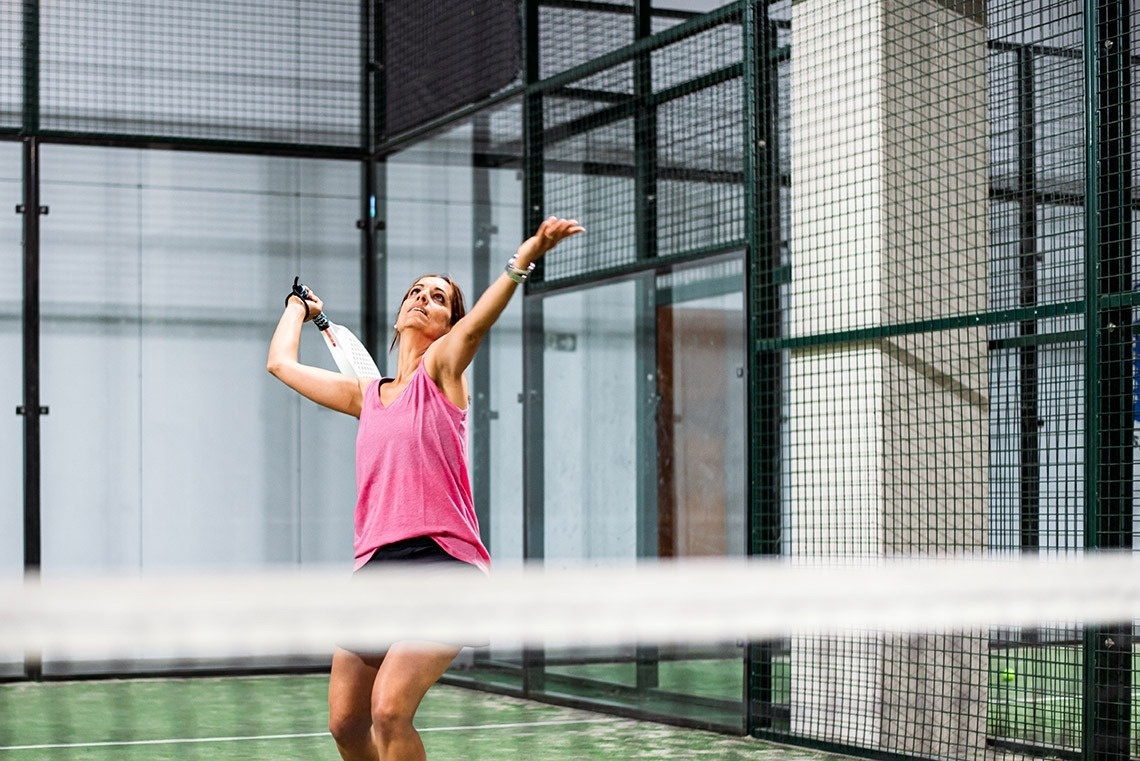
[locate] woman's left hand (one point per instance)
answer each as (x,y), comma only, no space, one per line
(550,233)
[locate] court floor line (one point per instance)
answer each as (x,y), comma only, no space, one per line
(298,735)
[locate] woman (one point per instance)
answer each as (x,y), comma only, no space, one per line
(414,499)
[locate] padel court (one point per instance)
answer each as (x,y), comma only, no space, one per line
(1034,698)
(859,282)
(284,717)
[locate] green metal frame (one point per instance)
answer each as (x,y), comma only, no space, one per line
(1108,652)
(31,409)
(645,226)
(534,484)
(762,232)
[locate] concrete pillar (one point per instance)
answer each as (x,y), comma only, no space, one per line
(889,435)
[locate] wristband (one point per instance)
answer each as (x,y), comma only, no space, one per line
(516,273)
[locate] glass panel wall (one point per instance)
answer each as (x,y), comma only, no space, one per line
(11,380)
(168,444)
(702,471)
(590,425)
(702,464)
(645,397)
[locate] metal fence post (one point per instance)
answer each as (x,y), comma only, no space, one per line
(762,233)
(1107,659)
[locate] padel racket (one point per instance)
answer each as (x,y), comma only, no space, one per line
(349,354)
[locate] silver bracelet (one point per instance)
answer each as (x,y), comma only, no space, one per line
(518,274)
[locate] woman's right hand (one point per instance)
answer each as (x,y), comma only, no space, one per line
(311,306)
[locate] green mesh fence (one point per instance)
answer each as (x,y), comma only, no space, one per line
(591,174)
(938,336)
(700,196)
(930,192)
(246,71)
(11,66)
(698,93)
(571,34)
(588,150)
(665,147)
(439,57)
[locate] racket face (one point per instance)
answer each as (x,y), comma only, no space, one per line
(336,349)
(353,353)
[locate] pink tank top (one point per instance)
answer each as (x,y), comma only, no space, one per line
(411,473)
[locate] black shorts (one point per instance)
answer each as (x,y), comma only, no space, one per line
(418,549)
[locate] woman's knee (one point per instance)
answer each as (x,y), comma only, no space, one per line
(391,714)
(349,727)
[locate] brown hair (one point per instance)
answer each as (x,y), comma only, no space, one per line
(458,308)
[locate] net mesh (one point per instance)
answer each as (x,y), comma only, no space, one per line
(953,666)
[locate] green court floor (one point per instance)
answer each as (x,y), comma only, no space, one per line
(284,717)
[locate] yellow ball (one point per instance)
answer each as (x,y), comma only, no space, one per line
(1008,675)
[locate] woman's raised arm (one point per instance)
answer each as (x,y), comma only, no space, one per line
(450,355)
(338,392)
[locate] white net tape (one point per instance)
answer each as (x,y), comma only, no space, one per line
(299,612)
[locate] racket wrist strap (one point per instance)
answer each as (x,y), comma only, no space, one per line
(308,312)
(300,291)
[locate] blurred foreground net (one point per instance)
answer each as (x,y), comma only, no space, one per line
(933,658)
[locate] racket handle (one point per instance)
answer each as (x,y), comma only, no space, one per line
(302,292)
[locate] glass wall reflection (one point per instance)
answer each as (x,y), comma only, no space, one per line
(590,425)
(11,382)
(168,444)
(622,483)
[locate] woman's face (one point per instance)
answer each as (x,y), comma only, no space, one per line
(427,307)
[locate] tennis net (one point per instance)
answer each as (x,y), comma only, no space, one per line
(931,657)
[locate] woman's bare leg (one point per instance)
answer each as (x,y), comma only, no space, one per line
(350,704)
(409,669)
